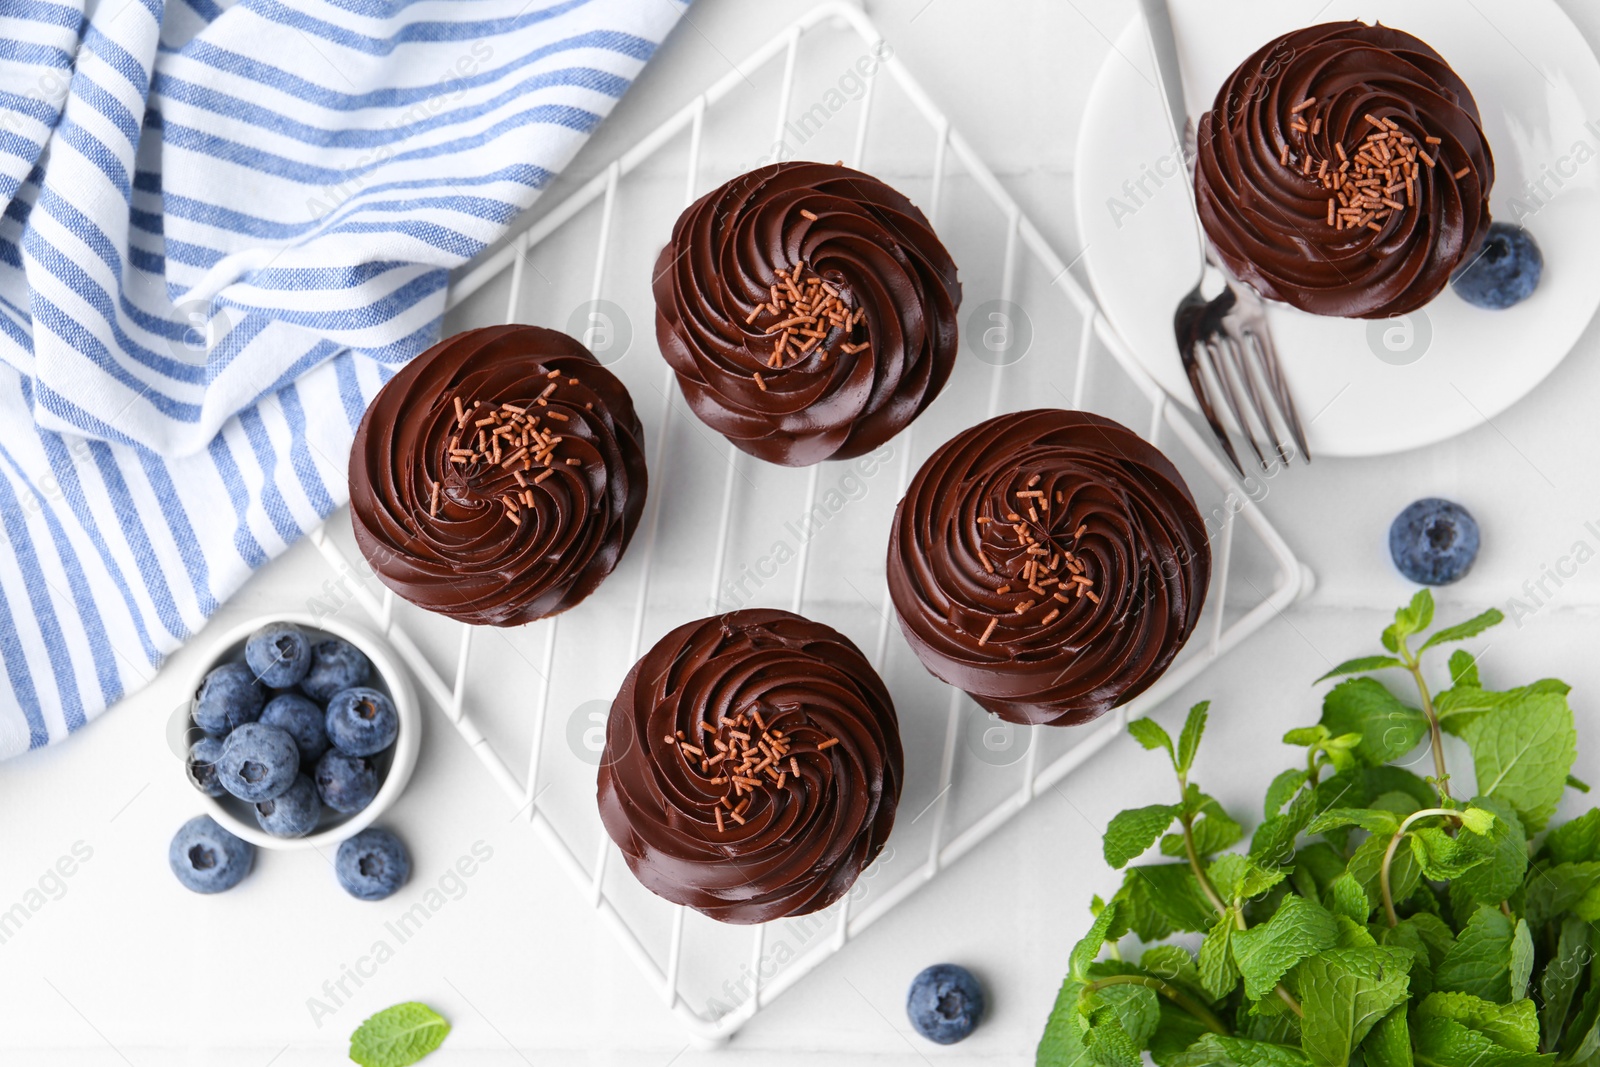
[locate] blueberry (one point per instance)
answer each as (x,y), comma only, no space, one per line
(1433,541)
(201,766)
(335,665)
(279,653)
(345,783)
(945,1003)
(293,813)
(1505,271)
(228,698)
(372,864)
(362,721)
(258,762)
(302,720)
(208,859)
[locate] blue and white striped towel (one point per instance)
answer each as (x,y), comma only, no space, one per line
(224,226)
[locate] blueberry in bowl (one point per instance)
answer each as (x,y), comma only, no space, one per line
(205,858)
(346,783)
(293,813)
(301,719)
(279,653)
(201,766)
(372,864)
(945,1003)
(265,768)
(229,696)
(335,666)
(362,721)
(1505,271)
(1434,541)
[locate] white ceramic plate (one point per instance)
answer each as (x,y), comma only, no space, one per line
(1362,388)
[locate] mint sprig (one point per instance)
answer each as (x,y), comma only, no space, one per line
(1377,917)
(398,1036)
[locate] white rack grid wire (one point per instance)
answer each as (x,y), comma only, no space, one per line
(1024,248)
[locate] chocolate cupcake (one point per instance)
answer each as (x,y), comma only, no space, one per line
(498,477)
(808,310)
(1343,170)
(752,766)
(1051,563)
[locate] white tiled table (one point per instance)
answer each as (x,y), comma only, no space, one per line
(125,968)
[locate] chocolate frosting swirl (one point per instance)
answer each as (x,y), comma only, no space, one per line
(789,836)
(1256,175)
(1051,563)
(437,527)
(859,385)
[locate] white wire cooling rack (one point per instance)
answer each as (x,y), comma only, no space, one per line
(840,94)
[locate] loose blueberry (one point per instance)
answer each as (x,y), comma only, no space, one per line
(945,1003)
(1505,271)
(335,665)
(208,859)
(302,720)
(372,864)
(345,783)
(1433,541)
(258,762)
(279,653)
(293,813)
(201,766)
(229,697)
(362,721)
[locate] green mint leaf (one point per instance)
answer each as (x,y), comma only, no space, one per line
(1347,898)
(1458,708)
(1464,670)
(1218,973)
(1360,665)
(1521,960)
(1283,787)
(1374,822)
(1559,888)
(1152,736)
(1413,618)
(1085,951)
(1522,754)
(1407,936)
(1388,728)
(1061,1044)
(1163,897)
(1131,832)
(1239,878)
(1498,879)
(1478,820)
(1189,739)
(1214,831)
(398,1036)
(1440,1042)
(1353,934)
(1265,953)
(1109,1044)
(1306,736)
(1174,965)
(1344,993)
(1178,1031)
(1575,840)
(1215,1050)
(1559,980)
(1435,933)
(1443,857)
(1480,961)
(1389,1043)
(1513,1026)
(1461,631)
(1274,840)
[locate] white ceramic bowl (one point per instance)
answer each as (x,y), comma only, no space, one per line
(395,764)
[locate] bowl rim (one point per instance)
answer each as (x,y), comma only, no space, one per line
(406,746)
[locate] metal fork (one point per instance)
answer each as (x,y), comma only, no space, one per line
(1224,341)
